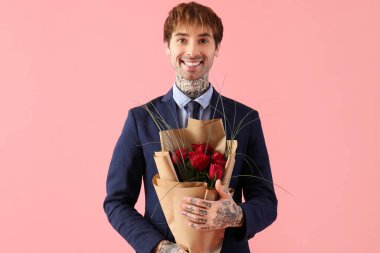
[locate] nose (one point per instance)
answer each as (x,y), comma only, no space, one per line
(192,49)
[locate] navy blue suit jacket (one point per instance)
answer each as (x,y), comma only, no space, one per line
(132,163)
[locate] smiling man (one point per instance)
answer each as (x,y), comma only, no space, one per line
(192,50)
(192,36)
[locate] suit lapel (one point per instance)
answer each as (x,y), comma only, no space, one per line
(168,110)
(223,110)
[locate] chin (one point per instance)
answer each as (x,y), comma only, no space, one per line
(192,77)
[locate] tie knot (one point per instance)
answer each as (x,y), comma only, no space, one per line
(193,108)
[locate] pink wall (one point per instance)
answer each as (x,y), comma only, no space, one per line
(70,70)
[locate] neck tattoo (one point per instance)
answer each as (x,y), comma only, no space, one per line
(192,88)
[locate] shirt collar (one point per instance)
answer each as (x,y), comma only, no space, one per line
(181,99)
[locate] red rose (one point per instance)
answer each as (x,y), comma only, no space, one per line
(199,161)
(216,171)
(179,155)
(218,158)
(221,162)
(202,148)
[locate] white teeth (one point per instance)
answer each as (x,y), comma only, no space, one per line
(190,64)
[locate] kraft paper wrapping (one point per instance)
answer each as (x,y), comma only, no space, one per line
(165,164)
(170,192)
(197,131)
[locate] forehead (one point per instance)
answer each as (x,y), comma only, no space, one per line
(192,29)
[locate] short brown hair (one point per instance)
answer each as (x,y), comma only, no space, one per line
(194,14)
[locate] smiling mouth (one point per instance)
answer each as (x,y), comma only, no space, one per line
(192,63)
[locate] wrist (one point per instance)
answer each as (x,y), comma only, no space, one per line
(240,217)
(158,246)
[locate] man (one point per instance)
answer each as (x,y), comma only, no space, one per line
(192,36)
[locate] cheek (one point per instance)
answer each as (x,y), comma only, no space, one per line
(174,59)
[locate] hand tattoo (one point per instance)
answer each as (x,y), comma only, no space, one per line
(169,247)
(206,204)
(194,201)
(210,215)
(228,215)
(226,203)
(190,209)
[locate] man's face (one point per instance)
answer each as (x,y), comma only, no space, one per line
(192,51)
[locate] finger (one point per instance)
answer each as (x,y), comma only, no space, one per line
(197,202)
(194,210)
(203,227)
(224,194)
(194,217)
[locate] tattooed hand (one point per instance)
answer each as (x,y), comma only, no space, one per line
(168,247)
(210,215)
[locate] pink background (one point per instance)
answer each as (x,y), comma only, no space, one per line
(70,70)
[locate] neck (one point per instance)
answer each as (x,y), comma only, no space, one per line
(192,88)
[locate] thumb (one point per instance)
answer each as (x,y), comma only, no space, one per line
(224,194)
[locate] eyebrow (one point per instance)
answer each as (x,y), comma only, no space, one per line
(186,34)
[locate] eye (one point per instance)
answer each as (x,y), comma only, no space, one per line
(204,41)
(181,40)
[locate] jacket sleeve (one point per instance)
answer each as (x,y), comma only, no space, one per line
(260,206)
(123,189)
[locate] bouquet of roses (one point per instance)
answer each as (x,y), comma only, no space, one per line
(190,162)
(200,163)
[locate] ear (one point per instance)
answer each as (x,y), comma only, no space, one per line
(167,48)
(217,50)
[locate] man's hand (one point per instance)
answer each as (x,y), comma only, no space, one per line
(168,247)
(210,215)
